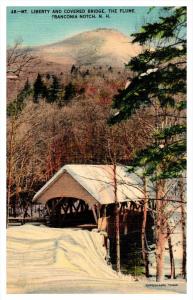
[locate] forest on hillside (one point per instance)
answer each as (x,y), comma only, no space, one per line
(54,121)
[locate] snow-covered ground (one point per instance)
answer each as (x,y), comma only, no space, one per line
(50,260)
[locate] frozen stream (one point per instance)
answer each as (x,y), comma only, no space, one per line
(57,260)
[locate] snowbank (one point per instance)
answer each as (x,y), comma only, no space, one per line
(42,256)
(50,260)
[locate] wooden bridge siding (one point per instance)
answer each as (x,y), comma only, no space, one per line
(72,189)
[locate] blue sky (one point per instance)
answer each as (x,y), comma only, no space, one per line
(39,29)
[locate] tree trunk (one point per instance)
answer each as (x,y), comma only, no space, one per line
(171,255)
(160,248)
(9,169)
(143,234)
(118,265)
(183,224)
(161,231)
(117,230)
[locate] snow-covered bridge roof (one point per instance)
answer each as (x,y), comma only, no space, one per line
(91,183)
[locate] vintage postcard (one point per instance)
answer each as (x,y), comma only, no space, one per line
(96,150)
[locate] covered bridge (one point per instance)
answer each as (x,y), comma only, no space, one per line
(84,195)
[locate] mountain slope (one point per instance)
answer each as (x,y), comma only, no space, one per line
(98,47)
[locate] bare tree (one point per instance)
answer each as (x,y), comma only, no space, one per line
(19,59)
(143,230)
(183,225)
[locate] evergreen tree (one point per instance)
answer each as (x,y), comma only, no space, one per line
(48,76)
(73,70)
(159,83)
(15,107)
(70,92)
(53,95)
(39,88)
